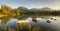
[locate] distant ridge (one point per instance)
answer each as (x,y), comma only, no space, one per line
(46,9)
(22,8)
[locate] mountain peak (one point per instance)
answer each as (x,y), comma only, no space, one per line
(46,8)
(42,9)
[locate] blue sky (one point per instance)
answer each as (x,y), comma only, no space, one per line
(54,4)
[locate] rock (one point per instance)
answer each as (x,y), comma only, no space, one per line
(48,21)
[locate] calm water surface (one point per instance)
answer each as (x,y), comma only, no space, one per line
(54,24)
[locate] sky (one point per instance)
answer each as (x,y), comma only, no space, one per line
(54,4)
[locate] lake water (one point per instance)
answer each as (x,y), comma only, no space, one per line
(50,22)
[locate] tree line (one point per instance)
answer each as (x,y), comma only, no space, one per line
(8,12)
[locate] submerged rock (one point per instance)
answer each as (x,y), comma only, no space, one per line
(48,21)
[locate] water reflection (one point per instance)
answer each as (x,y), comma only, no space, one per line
(51,23)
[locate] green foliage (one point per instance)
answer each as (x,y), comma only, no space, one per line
(12,13)
(20,11)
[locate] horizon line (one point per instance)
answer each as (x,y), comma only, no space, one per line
(28,7)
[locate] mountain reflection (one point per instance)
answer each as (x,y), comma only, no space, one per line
(42,25)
